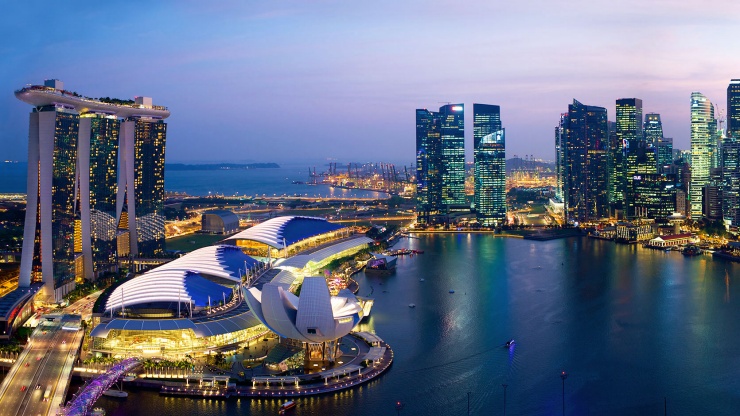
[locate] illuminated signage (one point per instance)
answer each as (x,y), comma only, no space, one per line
(457,108)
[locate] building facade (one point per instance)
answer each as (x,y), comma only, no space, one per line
(586,161)
(703,146)
(440,161)
(733,109)
(489,153)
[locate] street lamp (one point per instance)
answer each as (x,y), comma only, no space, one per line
(563,376)
(399,406)
(505,386)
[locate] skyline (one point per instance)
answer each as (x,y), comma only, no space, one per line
(263,81)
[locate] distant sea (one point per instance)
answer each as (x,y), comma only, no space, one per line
(250,182)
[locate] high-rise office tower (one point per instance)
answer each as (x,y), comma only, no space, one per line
(653,128)
(630,137)
(586,160)
(142,178)
(560,138)
(428,177)
(703,131)
(489,153)
(664,149)
(733,109)
(452,137)
(72,148)
(731,180)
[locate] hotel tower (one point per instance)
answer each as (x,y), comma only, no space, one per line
(87,159)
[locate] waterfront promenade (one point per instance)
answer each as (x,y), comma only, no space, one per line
(346,376)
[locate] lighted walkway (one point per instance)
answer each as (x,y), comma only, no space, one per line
(341,378)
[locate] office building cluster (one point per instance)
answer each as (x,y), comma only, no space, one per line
(440,164)
(627,169)
(95,185)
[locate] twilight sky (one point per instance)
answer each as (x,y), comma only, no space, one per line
(290,80)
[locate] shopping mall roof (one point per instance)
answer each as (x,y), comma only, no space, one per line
(301,261)
(281,232)
(183,279)
(15,299)
(239,319)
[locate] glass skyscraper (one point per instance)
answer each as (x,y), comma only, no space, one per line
(452,166)
(489,153)
(98,172)
(428,178)
(630,138)
(703,146)
(586,160)
(731,180)
(653,128)
(48,238)
(733,109)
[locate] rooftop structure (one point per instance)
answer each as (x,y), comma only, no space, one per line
(42,95)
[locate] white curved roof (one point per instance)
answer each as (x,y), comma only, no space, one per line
(167,283)
(280,232)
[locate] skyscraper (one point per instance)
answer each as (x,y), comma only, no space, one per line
(664,148)
(653,128)
(97,173)
(142,178)
(489,154)
(703,130)
(428,177)
(48,235)
(72,150)
(586,159)
(733,109)
(731,180)
(630,137)
(452,136)
(560,139)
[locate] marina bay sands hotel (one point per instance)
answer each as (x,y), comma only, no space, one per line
(95,185)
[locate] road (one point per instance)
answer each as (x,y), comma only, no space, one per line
(42,363)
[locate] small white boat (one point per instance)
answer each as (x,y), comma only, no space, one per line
(98,411)
(411,305)
(421,280)
(115,393)
(129,378)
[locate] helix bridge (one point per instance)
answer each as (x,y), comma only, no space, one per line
(85,399)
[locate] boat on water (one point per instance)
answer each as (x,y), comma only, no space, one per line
(452,291)
(129,378)
(115,393)
(287,406)
(98,411)
(509,343)
(421,280)
(411,305)
(691,251)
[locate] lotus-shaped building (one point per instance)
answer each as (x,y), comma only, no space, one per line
(314,317)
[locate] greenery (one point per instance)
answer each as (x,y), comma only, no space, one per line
(80,291)
(712,227)
(183,243)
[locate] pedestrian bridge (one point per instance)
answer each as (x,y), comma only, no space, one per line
(84,400)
